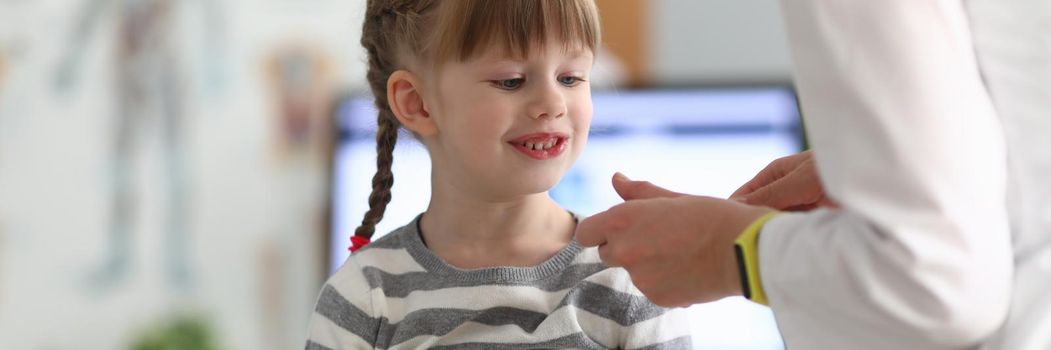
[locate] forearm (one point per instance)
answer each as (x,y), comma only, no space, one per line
(908,144)
(832,273)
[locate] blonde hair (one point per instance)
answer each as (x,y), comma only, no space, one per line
(399,32)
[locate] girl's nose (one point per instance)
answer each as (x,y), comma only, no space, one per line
(548,102)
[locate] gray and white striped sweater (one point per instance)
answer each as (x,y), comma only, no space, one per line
(396,294)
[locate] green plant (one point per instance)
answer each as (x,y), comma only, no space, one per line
(179,333)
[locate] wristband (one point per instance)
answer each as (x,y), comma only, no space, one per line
(746,249)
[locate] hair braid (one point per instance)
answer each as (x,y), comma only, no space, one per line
(387,23)
(386,138)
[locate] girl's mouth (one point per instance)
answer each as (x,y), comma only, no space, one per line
(541,146)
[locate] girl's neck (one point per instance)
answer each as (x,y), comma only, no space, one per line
(469,233)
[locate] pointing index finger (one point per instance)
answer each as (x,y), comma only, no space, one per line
(592,230)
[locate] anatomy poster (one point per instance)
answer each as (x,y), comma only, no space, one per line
(164,161)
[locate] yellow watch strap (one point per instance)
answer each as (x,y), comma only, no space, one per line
(746,247)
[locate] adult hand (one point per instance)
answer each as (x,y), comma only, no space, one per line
(677,248)
(789,183)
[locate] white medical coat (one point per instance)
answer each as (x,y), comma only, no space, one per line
(931,125)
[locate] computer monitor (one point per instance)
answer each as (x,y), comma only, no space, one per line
(702,140)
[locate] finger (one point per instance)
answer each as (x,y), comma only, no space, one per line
(772,172)
(824,202)
(800,208)
(770,195)
(758,181)
(605,253)
(591,231)
(659,292)
(793,190)
(827,203)
(629,189)
(769,174)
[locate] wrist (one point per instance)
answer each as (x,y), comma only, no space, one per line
(738,222)
(746,252)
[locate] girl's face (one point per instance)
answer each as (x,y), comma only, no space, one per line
(509,127)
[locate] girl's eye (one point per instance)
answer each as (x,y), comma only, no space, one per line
(569,80)
(509,84)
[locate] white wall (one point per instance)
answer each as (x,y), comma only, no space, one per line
(706,41)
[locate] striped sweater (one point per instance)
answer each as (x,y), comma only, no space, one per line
(396,294)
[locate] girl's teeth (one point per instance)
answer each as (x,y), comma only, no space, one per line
(540,145)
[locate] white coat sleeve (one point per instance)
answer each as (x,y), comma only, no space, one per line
(907,141)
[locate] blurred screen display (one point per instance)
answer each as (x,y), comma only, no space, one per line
(706,141)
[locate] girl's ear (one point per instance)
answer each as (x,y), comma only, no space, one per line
(403,94)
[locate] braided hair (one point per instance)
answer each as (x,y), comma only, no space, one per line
(387,23)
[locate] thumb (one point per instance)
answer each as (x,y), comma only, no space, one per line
(629,189)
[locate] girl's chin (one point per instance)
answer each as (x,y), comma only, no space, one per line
(535,187)
(524,186)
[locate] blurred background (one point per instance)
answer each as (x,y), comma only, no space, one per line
(183,174)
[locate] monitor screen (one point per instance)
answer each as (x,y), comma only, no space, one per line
(706,141)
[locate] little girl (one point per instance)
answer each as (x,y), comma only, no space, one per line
(497,91)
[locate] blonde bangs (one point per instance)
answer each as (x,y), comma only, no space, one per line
(465,27)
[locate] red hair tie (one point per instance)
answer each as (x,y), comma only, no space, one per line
(357,242)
